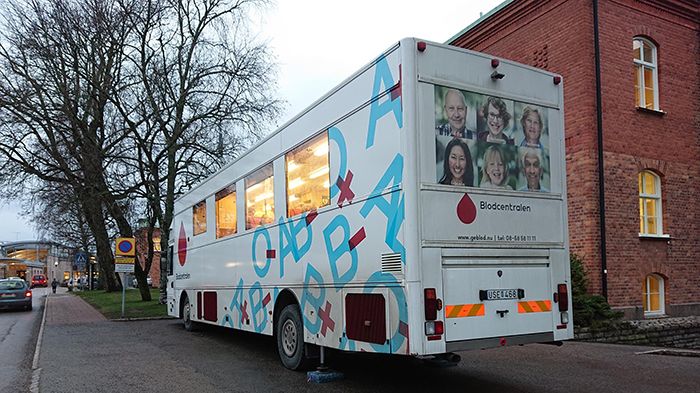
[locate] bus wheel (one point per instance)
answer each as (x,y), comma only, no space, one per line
(290,338)
(190,325)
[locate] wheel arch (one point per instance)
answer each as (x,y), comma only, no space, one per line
(284,298)
(181,304)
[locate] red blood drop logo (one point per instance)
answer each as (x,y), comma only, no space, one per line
(466,210)
(182,245)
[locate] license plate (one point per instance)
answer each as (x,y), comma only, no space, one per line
(6,295)
(501,294)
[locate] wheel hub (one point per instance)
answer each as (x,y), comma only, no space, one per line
(289,338)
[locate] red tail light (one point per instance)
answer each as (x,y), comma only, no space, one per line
(563,295)
(431,304)
(28,294)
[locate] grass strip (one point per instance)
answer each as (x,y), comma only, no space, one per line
(110,304)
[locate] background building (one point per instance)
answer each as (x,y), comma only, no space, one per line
(26,258)
(631,79)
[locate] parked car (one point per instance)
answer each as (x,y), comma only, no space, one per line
(15,294)
(39,280)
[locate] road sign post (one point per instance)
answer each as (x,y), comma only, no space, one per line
(124,259)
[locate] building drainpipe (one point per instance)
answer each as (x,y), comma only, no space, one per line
(601,176)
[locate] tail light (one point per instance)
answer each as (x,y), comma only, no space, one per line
(28,294)
(431,304)
(562,298)
(433,329)
(563,295)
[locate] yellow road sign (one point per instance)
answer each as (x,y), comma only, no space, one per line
(125,246)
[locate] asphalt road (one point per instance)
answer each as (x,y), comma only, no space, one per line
(159,356)
(18,332)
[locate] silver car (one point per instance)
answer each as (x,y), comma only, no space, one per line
(15,294)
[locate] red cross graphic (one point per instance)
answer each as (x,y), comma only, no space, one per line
(311,216)
(244,312)
(357,238)
(325,316)
(403,329)
(396,90)
(346,193)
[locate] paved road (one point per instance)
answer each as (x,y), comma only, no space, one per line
(86,354)
(18,332)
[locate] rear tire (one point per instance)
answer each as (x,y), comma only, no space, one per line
(187,321)
(290,339)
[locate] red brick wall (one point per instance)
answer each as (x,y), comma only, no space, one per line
(558,36)
(142,252)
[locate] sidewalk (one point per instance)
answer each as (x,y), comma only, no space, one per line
(63,308)
(82,351)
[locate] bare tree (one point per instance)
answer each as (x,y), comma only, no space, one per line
(199,92)
(59,61)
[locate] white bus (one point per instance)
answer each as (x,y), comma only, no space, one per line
(419,208)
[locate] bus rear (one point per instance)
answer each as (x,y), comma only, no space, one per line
(491,202)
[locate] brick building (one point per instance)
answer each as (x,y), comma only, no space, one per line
(141,236)
(647,64)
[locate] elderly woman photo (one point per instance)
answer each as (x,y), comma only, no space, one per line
(531,122)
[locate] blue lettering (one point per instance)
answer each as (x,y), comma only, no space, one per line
(261,271)
(335,254)
(289,231)
(314,301)
(394,209)
(377,110)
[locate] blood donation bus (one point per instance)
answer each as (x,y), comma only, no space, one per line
(418,208)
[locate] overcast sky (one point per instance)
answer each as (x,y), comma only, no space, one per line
(317,44)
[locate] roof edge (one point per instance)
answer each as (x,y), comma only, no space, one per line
(479,21)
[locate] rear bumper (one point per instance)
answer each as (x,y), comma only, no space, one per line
(494,342)
(15,303)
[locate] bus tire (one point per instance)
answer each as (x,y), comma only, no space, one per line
(290,338)
(187,321)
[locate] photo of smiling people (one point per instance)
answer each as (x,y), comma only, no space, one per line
(453,116)
(494,121)
(497,167)
(457,167)
(534,169)
(532,124)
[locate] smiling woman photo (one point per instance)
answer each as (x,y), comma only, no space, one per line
(496,118)
(458,169)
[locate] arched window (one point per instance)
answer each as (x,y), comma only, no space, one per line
(653,295)
(650,204)
(646,87)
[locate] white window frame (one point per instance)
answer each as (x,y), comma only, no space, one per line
(655,75)
(647,298)
(659,209)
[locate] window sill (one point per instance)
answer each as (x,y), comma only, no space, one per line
(652,237)
(657,112)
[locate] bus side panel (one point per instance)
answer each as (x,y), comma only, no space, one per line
(351,246)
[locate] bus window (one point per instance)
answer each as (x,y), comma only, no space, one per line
(226,211)
(199,217)
(308,176)
(260,198)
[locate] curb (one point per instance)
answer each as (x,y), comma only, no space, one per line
(672,352)
(141,319)
(36,371)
